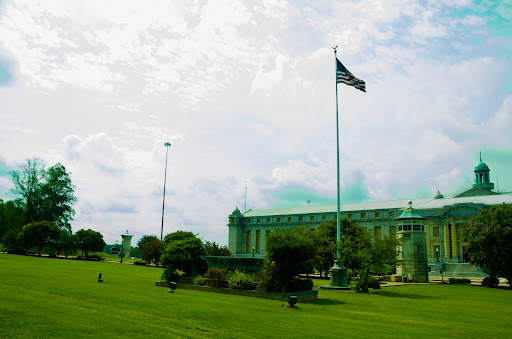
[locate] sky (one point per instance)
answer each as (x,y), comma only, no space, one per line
(245,93)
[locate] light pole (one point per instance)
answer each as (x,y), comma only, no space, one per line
(167,144)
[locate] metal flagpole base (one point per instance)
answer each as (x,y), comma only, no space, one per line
(339,277)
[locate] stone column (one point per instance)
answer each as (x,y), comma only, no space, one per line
(455,244)
(446,240)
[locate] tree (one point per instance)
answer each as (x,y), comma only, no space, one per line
(57,197)
(67,243)
(359,253)
(489,239)
(325,242)
(150,248)
(288,254)
(48,194)
(89,241)
(40,234)
(27,182)
(12,217)
(214,249)
(181,250)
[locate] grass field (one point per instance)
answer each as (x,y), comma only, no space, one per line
(43,297)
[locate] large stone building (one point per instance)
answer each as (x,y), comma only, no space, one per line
(446,218)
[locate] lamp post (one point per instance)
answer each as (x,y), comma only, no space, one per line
(167,144)
(253,248)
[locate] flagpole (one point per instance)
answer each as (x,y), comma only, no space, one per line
(338,228)
(339,277)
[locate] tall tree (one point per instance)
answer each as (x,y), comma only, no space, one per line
(57,197)
(325,242)
(489,238)
(40,234)
(181,250)
(27,182)
(150,248)
(48,193)
(288,253)
(89,241)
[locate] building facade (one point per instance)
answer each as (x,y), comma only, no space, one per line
(446,218)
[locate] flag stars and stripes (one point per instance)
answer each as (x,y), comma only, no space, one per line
(344,76)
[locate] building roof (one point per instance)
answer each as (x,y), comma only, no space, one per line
(361,206)
(419,204)
(489,200)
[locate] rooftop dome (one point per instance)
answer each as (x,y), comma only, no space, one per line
(438,195)
(482,167)
(410,213)
(236,211)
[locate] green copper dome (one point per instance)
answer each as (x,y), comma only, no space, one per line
(410,213)
(482,167)
(236,211)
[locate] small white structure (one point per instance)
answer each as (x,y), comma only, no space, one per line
(126,246)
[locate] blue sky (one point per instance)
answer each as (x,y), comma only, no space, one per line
(245,92)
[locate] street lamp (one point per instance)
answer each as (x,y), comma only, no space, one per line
(253,248)
(167,144)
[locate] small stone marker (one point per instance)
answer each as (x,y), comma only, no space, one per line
(99,278)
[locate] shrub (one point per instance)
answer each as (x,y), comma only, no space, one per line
(216,277)
(170,274)
(373,282)
(240,281)
(459,281)
(200,281)
(299,285)
(137,263)
(268,276)
(490,282)
(361,286)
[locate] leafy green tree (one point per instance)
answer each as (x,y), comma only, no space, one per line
(27,182)
(12,217)
(359,253)
(89,241)
(150,248)
(67,243)
(288,253)
(40,234)
(489,238)
(325,242)
(214,249)
(181,250)
(48,193)
(57,197)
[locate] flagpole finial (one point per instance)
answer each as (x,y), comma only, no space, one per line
(335,49)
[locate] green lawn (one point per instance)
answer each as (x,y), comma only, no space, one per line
(43,297)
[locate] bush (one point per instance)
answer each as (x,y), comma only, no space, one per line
(490,282)
(459,281)
(299,285)
(268,277)
(362,286)
(200,281)
(373,282)
(137,263)
(240,281)
(216,277)
(170,274)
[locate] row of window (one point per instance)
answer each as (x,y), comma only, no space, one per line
(323,217)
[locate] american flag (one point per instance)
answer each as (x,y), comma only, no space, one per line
(343,75)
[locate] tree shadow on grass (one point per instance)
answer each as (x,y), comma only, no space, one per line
(322,301)
(390,294)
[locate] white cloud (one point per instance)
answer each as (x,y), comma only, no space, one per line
(245,92)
